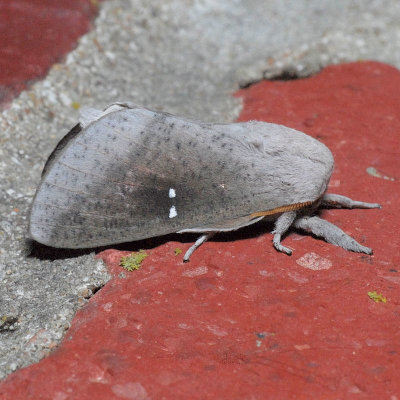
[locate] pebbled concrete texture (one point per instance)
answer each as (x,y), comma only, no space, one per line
(36,34)
(182,57)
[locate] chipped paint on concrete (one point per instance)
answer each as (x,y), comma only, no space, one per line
(314,261)
(191,273)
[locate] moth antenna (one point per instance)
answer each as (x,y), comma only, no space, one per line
(87,115)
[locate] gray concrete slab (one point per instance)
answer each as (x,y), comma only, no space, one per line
(182,56)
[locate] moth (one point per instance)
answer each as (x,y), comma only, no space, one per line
(129,173)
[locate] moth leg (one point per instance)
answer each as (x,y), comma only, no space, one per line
(198,243)
(331,233)
(338,201)
(282,224)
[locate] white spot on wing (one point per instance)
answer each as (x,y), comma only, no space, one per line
(172,212)
(172,193)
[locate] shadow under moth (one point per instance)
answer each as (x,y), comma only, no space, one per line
(129,173)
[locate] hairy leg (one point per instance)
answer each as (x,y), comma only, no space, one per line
(331,233)
(338,201)
(197,243)
(282,224)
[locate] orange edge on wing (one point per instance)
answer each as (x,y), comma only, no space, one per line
(290,207)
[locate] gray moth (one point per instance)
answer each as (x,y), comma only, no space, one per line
(129,173)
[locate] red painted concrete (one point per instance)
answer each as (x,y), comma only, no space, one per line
(34,34)
(241,321)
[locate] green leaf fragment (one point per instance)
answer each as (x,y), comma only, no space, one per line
(377,297)
(133,261)
(177,251)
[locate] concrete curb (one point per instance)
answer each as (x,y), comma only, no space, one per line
(185,60)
